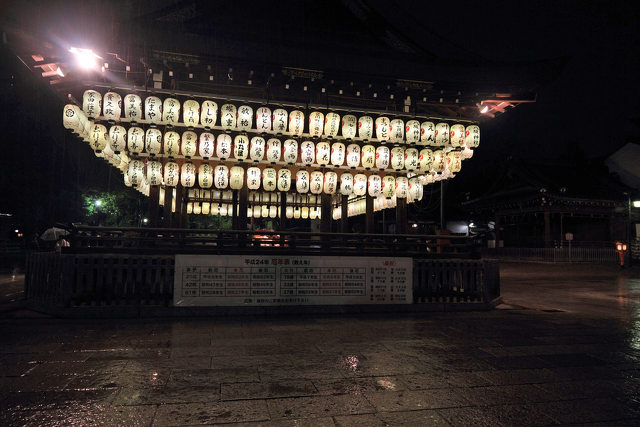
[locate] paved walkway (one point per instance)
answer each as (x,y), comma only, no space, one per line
(564,348)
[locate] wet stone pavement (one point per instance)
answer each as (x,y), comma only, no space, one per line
(563,349)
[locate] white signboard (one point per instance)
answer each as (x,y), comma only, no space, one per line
(234,280)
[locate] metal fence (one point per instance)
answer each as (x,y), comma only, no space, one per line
(582,254)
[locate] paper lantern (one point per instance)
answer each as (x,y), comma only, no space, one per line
(388,186)
(189,144)
(346,184)
(330,182)
(263,120)
(428,133)
(472,136)
(71,117)
(253,178)
(98,137)
(189,207)
(316,124)
(241,147)
(153,141)
(316,182)
(415,189)
(191,113)
(365,128)
(296,213)
(290,152)
(154,173)
(206,145)
(171,174)
(273,151)
(269,179)
(228,117)
(188,175)
(402,187)
(245,118)
(209,114)
(307,153)
(304,212)
(85,127)
(273,211)
(256,150)
(221,177)
(353,155)
(374,185)
(396,131)
(302,181)
(425,160)
(289,212)
(135,140)
(284,179)
(118,139)
(280,121)
(439,161)
(91,103)
(206,208)
(171,111)
(382,129)
(368,156)
(323,153)
(411,159)
(153,109)
(133,107)
(236,179)
(337,153)
(383,156)
(296,123)
(331,125)
(223,146)
(454,161)
(360,184)
(349,126)
(457,135)
(412,132)
(442,134)
(205,175)
(135,172)
(313,213)
(112,106)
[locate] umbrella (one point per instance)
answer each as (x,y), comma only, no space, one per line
(53,233)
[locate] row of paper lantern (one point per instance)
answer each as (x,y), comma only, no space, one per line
(278,121)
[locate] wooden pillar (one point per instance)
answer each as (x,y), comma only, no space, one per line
(234,212)
(547,228)
(166,209)
(325,221)
(496,228)
(344,214)
(177,216)
(243,195)
(369,226)
(154,198)
(401,216)
(283,210)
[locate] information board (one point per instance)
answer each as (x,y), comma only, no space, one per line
(231,280)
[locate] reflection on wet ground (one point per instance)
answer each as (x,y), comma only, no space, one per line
(558,351)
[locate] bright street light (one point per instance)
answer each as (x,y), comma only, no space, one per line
(636,203)
(85,58)
(98,202)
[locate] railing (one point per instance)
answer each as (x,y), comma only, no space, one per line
(581,254)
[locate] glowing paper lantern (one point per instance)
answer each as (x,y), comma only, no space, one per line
(472,136)
(228,117)
(323,153)
(302,181)
(205,175)
(290,153)
(284,179)
(71,118)
(237,178)
(368,156)
(189,207)
(98,137)
(245,118)
(135,172)
(337,153)
(269,179)
(223,146)
(273,211)
(428,133)
(346,184)
(263,120)
(365,128)
(360,184)
(171,174)
(402,187)
(135,140)
(274,149)
(85,127)
(425,160)
(353,155)
(383,157)
(279,121)
(442,134)
(253,178)
(457,135)
(256,151)
(154,173)
(331,125)
(296,213)
(454,161)
(91,103)
(396,130)
(153,141)
(330,182)
(133,107)
(411,159)
(307,153)
(153,109)
(112,106)
(191,112)
(316,183)
(316,124)
(206,208)
(415,189)
(209,114)
(439,161)
(189,144)
(188,174)
(382,128)
(241,147)
(171,111)
(289,212)
(412,132)
(171,144)
(221,177)
(349,126)
(296,123)
(206,145)
(388,186)
(118,139)
(375,185)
